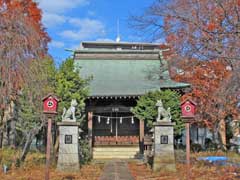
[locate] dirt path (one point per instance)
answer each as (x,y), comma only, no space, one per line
(116,170)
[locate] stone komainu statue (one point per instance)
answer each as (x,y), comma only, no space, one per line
(163,114)
(69,115)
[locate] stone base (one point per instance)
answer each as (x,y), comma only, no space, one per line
(164,158)
(164,162)
(68,123)
(164,123)
(68,167)
(68,155)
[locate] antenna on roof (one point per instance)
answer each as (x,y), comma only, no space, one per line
(118,35)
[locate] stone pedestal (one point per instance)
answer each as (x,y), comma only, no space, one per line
(164,158)
(68,155)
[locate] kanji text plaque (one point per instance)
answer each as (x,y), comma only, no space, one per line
(164,139)
(68,139)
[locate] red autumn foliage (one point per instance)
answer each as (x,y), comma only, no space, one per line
(206,79)
(204,29)
(31,12)
(211,26)
(22,38)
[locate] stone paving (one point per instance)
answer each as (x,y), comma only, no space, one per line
(116,170)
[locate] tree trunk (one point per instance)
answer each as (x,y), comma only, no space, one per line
(9,125)
(235,126)
(56,146)
(26,147)
(1,137)
(30,137)
(1,129)
(12,134)
(222,133)
(5,137)
(52,151)
(214,138)
(53,142)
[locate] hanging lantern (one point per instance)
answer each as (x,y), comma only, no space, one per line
(99,119)
(108,120)
(132,120)
(120,120)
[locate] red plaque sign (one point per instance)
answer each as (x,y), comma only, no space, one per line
(188,108)
(50,104)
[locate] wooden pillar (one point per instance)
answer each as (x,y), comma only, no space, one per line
(90,126)
(141,135)
(48,150)
(187,125)
(116,124)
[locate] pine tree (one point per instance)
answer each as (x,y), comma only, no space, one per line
(69,85)
(146,107)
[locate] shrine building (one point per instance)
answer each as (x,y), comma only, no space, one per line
(121,72)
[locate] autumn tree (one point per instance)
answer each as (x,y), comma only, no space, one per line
(22,38)
(206,79)
(206,29)
(31,119)
(65,82)
(200,29)
(203,30)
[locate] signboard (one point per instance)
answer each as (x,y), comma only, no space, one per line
(188,108)
(50,104)
(68,139)
(164,139)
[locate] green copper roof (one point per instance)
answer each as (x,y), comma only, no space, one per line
(126,77)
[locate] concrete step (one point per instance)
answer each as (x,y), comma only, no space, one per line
(115,149)
(113,157)
(115,152)
(103,161)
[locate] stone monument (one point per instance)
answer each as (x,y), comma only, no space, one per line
(68,154)
(164,158)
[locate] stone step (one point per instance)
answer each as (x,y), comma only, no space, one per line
(115,149)
(114,157)
(115,152)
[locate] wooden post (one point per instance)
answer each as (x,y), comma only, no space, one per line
(116,129)
(48,151)
(141,135)
(188,108)
(187,124)
(90,126)
(50,104)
